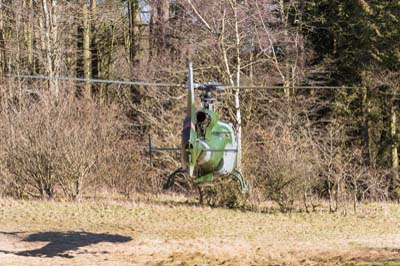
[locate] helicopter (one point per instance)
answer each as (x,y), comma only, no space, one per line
(208,146)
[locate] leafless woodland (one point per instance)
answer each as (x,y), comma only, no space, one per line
(301,147)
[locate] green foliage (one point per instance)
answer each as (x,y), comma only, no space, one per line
(359,42)
(357,35)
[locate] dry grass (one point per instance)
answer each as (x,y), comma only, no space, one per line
(172,232)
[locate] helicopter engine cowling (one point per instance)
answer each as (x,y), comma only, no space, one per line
(217,150)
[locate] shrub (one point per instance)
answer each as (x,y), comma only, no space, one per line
(49,143)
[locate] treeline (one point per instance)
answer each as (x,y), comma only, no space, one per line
(62,138)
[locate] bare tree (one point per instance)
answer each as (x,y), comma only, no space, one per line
(3,59)
(50,37)
(87,62)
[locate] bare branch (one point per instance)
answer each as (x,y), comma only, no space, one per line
(200,16)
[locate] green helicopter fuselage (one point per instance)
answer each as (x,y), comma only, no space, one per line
(209,147)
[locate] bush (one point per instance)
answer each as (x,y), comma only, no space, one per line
(284,171)
(49,144)
(284,166)
(224,192)
(125,170)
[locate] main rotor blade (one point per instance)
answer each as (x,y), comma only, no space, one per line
(179,149)
(150,84)
(255,87)
(120,82)
(163,149)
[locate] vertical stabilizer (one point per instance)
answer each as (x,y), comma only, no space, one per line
(192,113)
(190,103)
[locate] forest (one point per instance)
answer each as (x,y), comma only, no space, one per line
(325,131)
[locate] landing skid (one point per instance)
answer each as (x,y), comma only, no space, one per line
(237,175)
(171,178)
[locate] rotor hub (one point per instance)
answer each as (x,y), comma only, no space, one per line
(207,97)
(208,100)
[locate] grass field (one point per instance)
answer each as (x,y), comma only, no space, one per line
(169,231)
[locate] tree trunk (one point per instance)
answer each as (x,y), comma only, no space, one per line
(151,29)
(87,62)
(368,155)
(162,19)
(93,43)
(30,37)
(395,158)
(286,81)
(93,49)
(55,43)
(159,18)
(49,33)
(3,60)
(237,91)
(134,29)
(17,56)
(28,6)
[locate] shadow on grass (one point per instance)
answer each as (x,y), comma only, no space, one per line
(62,242)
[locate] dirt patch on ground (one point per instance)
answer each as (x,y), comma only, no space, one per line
(78,248)
(52,233)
